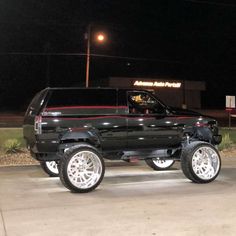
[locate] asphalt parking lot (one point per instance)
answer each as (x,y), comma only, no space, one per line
(132,200)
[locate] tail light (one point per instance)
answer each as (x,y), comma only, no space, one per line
(200,124)
(38,124)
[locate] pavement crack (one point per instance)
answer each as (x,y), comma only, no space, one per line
(3,222)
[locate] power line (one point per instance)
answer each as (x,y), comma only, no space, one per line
(212,3)
(137,58)
(41,54)
(98,55)
(40,22)
(103,56)
(84,54)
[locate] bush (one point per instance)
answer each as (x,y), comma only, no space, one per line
(226,142)
(11,146)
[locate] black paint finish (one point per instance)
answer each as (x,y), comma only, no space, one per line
(111,128)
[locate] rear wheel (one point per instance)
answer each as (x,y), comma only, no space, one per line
(200,162)
(82,169)
(50,167)
(158,164)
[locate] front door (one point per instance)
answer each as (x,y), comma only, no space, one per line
(149,125)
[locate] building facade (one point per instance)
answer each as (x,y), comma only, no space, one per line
(178,93)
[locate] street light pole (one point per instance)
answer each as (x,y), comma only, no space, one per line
(99,38)
(88,55)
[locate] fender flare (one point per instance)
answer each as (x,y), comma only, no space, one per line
(203,134)
(81,135)
(72,146)
(79,138)
(199,133)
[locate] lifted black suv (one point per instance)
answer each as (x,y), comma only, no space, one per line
(75,128)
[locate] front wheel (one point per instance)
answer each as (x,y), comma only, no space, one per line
(81,169)
(50,167)
(200,162)
(158,164)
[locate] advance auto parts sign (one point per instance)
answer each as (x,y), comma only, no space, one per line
(160,84)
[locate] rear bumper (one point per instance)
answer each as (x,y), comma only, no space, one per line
(46,146)
(216,139)
(45,150)
(45,156)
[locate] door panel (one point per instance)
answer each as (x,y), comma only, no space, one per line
(113,132)
(149,125)
(152,131)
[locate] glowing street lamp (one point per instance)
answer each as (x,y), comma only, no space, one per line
(100,37)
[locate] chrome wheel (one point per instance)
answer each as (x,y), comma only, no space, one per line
(84,170)
(52,167)
(159,164)
(205,163)
(163,164)
(200,162)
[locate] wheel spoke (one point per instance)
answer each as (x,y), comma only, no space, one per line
(205,163)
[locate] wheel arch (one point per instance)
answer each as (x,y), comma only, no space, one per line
(75,145)
(80,138)
(204,134)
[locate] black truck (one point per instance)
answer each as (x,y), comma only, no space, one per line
(71,130)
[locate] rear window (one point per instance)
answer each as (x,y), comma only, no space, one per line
(36,103)
(82,101)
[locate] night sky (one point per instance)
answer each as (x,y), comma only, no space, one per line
(42,43)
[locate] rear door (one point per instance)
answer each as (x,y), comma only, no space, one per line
(149,125)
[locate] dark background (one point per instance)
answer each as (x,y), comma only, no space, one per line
(41,43)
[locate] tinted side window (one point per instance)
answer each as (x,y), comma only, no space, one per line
(82,97)
(83,101)
(122,101)
(144,103)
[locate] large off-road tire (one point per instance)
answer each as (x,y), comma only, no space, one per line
(50,167)
(158,164)
(200,162)
(81,169)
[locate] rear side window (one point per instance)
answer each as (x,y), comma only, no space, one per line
(82,101)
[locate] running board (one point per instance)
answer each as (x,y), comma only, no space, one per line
(169,154)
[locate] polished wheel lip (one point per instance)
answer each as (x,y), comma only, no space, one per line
(84,169)
(162,163)
(52,166)
(205,163)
